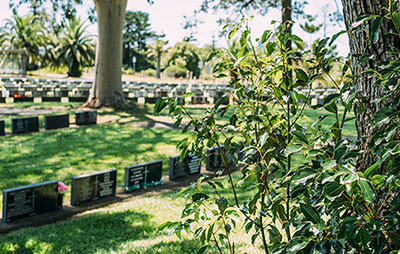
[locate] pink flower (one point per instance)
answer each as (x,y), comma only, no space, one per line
(62,187)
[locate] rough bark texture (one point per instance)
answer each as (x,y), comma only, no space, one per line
(107,86)
(360,44)
(368,91)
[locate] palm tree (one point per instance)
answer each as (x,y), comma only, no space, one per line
(25,33)
(75,47)
(156,50)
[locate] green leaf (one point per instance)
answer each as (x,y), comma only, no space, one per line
(270,48)
(335,36)
(301,75)
(375,27)
(329,164)
(371,170)
(396,20)
(160,105)
(333,189)
(222,204)
(366,190)
(378,181)
(292,148)
(266,35)
(365,237)
(212,55)
(199,197)
(310,213)
(232,32)
(300,136)
(203,249)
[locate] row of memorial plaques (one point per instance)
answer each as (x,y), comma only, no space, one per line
(40,198)
(31,124)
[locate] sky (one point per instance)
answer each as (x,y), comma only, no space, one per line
(167,17)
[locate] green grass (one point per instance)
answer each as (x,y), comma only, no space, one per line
(127,227)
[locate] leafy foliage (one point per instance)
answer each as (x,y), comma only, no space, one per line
(136,35)
(75,47)
(25,33)
(321,205)
(186,56)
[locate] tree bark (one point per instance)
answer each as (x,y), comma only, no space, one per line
(368,91)
(107,85)
(158,64)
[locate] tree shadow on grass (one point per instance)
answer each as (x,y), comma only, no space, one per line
(43,155)
(94,233)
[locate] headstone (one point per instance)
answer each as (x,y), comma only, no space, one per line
(86,117)
(29,200)
(24,125)
(56,121)
(190,165)
(94,186)
(143,175)
(2,132)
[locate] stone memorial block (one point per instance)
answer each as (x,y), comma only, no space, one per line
(24,125)
(190,165)
(86,117)
(2,132)
(30,200)
(94,186)
(145,174)
(56,121)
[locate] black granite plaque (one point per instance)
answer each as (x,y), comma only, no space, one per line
(2,132)
(86,117)
(142,174)
(190,165)
(214,159)
(24,125)
(90,187)
(29,200)
(56,121)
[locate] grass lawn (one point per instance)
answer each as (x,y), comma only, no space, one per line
(127,227)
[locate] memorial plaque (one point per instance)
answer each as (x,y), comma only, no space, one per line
(29,200)
(141,174)
(24,125)
(214,160)
(56,121)
(94,186)
(190,165)
(2,132)
(86,117)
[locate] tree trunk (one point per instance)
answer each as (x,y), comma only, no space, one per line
(107,85)
(368,92)
(287,16)
(360,45)
(158,64)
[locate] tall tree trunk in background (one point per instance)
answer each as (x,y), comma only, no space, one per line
(287,16)
(158,64)
(107,85)
(360,44)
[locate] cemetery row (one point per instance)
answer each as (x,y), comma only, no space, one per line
(37,90)
(31,200)
(31,124)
